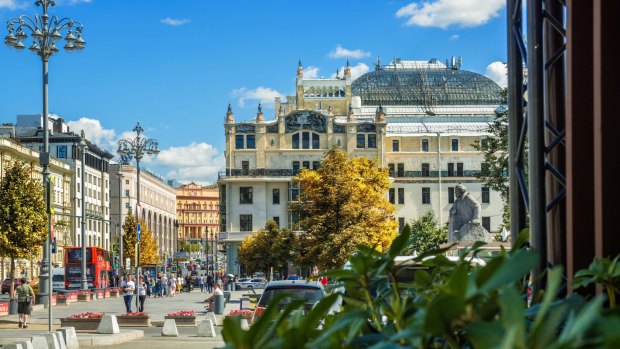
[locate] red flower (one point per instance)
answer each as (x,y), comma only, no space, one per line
(86,315)
(182,313)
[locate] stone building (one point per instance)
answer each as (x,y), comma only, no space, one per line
(419,119)
(157,203)
(198,208)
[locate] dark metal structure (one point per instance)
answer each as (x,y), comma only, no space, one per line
(561,83)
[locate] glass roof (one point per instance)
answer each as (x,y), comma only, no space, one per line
(426,87)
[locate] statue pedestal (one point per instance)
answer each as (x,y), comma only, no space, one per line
(473,232)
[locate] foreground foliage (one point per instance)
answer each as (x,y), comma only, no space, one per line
(447,305)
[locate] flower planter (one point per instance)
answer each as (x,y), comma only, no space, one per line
(84,297)
(62,301)
(114,294)
(249,318)
(81,324)
(129,321)
(183,320)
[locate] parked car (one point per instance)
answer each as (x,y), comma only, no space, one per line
(6,285)
(312,292)
(250,283)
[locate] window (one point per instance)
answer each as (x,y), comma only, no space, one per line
(455,145)
(277,220)
(395,145)
(305,164)
(486,195)
(401,224)
(366,140)
(484,143)
(391,170)
(127,192)
(245,195)
(450,169)
(459,169)
(401,196)
(295,167)
(245,222)
(451,195)
(62,151)
(486,223)
(391,196)
(127,205)
(426,170)
(361,141)
(245,168)
(315,165)
(425,145)
(401,170)
(249,142)
(239,142)
(426,195)
(245,142)
(309,140)
(294,194)
(127,181)
(276,197)
(372,141)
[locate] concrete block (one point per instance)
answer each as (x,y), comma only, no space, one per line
(39,342)
(245,325)
(12,346)
(61,340)
(52,340)
(70,337)
(170,328)
(108,325)
(25,344)
(211,316)
(206,329)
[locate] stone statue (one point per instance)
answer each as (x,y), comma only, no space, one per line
(465,218)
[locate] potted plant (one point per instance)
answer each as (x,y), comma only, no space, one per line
(183,317)
(243,314)
(87,321)
(134,319)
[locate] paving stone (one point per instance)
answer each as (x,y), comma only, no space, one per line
(206,329)
(170,328)
(108,325)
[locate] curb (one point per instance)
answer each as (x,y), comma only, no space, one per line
(95,339)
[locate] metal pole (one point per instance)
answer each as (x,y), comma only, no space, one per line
(138,220)
(120,220)
(84,280)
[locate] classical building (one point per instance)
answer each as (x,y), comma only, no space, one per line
(157,203)
(419,119)
(198,208)
(64,146)
(62,177)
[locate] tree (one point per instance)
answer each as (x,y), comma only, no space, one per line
(342,204)
(268,248)
(23,216)
(425,234)
(148,246)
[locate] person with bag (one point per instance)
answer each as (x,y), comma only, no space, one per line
(128,286)
(141,294)
(25,297)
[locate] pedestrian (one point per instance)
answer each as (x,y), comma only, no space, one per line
(210,283)
(172,284)
(25,298)
(164,286)
(201,283)
(158,286)
(141,294)
(188,283)
(128,286)
(217,291)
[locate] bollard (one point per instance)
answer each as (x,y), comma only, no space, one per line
(218,304)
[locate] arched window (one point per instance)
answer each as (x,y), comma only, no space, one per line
(306,140)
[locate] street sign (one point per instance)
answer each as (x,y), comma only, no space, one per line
(169,260)
(173,269)
(138,231)
(128,263)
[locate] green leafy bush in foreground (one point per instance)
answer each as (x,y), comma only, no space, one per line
(448,305)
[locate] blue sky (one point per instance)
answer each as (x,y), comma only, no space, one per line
(175,65)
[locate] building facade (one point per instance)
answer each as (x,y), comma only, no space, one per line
(198,214)
(419,119)
(62,177)
(157,203)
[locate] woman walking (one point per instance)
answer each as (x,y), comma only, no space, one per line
(25,298)
(173,287)
(141,294)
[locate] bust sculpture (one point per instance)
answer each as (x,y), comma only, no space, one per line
(465,218)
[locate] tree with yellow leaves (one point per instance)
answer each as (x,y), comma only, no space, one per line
(342,204)
(268,248)
(148,246)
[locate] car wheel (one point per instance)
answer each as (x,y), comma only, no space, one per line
(250,287)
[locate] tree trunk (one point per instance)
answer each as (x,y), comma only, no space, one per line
(12,278)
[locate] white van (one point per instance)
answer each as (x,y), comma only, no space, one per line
(58,278)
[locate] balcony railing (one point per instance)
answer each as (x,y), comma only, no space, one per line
(259,172)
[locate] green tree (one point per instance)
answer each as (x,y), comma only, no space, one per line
(148,245)
(23,217)
(342,204)
(425,234)
(268,248)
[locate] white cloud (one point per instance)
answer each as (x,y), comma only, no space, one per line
(264,95)
(95,133)
(444,13)
(455,37)
(12,4)
(199,162)
(497,72)
(356,71)
(341,52)
(311,72)
(174,21)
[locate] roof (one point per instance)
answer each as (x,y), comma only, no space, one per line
(426,87)
(298,283)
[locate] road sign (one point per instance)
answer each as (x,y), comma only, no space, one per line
(173,269)
(138,231)
(169,260)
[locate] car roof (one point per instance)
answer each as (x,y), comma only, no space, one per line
(297,283)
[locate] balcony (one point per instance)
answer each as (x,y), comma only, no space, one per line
(259,172)
(233,236)
(94,214)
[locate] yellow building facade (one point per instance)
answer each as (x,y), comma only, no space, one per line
(198,213)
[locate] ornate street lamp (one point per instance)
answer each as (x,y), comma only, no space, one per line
(121,263)
(136,148)
(45,32)
(82,147)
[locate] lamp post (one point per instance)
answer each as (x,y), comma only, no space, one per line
(82,147)
(121,265)
(45,31)
(137,148)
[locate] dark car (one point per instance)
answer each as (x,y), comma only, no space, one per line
(311,292)
(6,285)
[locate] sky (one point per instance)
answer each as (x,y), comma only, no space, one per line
(175,65)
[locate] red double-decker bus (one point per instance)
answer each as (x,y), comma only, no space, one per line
(98,267)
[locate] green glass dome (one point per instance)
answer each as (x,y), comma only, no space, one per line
(427,87)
